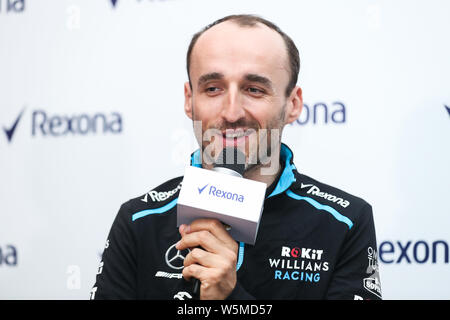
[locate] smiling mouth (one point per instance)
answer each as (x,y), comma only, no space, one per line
(237,133)
(234,134)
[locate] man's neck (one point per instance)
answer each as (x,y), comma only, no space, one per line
(265,173)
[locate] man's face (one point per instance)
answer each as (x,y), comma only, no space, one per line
(239,77)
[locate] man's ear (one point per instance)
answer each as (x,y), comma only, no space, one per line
(188,100)
(294,105)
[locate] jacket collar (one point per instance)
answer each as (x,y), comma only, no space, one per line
(286,179)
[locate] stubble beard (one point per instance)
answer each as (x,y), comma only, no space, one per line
(261,151)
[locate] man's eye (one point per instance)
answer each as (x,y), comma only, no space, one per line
(255,90)
(212,89)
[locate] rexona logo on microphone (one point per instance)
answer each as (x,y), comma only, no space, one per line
(222,194)
(234,201)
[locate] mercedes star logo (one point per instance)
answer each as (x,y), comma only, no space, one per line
(175,258)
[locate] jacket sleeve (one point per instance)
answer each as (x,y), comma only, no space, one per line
(116,274)
(356,275)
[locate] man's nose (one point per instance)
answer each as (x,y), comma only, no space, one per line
(233,108)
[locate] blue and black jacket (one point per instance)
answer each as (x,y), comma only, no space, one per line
(314,242)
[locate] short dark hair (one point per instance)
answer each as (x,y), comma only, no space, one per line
(249,20)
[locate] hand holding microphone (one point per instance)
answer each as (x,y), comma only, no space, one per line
(208,201)
(212,261)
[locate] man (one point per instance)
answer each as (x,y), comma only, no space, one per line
(314,241)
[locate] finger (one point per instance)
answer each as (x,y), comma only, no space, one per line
(194,271)
(182,228)
(216,228)
(205,259)
(213,281)
(202,239)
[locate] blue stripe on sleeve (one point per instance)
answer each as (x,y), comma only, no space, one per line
(163,209)
(320,206)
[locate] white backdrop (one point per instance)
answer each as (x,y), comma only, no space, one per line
(91,115)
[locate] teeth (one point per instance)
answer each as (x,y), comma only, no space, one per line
(234,135)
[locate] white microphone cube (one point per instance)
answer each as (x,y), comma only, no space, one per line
(237,202)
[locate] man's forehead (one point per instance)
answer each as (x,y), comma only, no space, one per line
(234,26)
(249,44)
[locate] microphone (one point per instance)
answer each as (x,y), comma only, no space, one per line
(234,168)
(223,194)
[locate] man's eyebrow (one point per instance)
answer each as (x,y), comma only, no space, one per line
(260,79)
(253,77)
(210,76)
